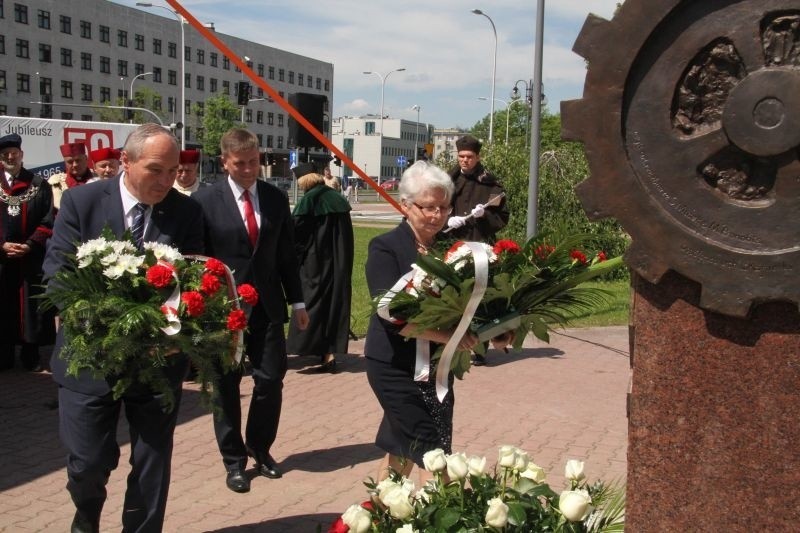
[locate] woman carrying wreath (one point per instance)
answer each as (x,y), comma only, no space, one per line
(414,421)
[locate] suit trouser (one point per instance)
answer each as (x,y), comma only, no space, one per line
(88,426)
(265,346)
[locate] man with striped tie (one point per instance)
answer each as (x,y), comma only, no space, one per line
(142,200)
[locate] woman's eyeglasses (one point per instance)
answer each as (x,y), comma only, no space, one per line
(431,210)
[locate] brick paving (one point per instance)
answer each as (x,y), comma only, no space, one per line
(557,401)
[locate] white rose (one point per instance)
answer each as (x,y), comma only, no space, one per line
(574,470)
(457,467)
(497,513)
(521,461)
(477,465)
(384,486)
(407,528)
(575,504)
(397,499)
(534,472)
(434,460)
(357,519)
(507,456)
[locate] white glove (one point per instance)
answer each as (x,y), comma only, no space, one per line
(478,211)
(456,222)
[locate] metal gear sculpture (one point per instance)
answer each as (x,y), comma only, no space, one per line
(691,125)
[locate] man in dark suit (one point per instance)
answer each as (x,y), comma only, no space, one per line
(249,227)
(88,413)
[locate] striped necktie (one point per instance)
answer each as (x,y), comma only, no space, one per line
(137,228)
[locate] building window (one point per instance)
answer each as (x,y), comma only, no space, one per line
(248,113)
(86,29)
(319,84)
(280,120)
(291,76)
(86,61)
(105,65)
(187,80)
(212,85)
(105,94)
(45,53)
(260,70)
(170,104)
(122,67)
(201,108)
(87,118)
(172,77)
(280,141)
(270,119)
(260,117)
(226,63)
(23,83)
(300,79)
(66,89)
(188,107)
(281,75)
(187,53)
(86,92)
(226,87)
(43,19)
(269,141)
(138,68)
(157,47)
(157,74)
(327,85)
(157,102)
(201,83)
(66,57)
(260,139)
(20,13)
(310,80)
(23,111)
(172,50)
(213,59)
(260,92)
(105,34)
(139,44)
(3,108)
(122,94)
(66,116)
(46,86)
(2,43)
(122,38)
(65,23)
(201,57)
(22,48)
(271,73)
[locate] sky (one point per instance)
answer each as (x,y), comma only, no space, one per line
(446,49)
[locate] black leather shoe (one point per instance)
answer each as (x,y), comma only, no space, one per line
(328,367)
(81,524)
(265,464)
(479,360)
(237,481)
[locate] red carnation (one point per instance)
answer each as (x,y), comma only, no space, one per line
(578,256)
(456,246)
(248,293)
(237,320)
(209,284)
(543,251)
(601,256)
(194,303)
(506,245)
(215,266)
(339,526)
(159,276)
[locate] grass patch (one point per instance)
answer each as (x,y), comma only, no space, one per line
(615,314)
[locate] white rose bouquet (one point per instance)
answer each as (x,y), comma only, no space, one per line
(463,496)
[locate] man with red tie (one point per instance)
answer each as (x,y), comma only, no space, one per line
(248,225)
(77,171)
(105,162)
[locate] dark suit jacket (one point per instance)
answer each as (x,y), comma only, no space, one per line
(272,266)
(84,212)
(390,256)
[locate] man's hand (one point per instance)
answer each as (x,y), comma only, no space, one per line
(300,317)
(456,222)
(478,211)
(15,250)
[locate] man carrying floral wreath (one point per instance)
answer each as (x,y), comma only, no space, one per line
(140,199)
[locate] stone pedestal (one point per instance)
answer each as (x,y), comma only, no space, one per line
(714,414)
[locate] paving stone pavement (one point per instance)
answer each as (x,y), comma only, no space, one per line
(557,401)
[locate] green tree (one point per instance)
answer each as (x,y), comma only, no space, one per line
(145,98)
(218,115)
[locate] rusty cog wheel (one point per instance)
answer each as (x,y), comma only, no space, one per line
(691,124)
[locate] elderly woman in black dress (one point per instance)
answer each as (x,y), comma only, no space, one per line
(414,421)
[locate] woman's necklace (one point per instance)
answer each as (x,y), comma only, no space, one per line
(421,248)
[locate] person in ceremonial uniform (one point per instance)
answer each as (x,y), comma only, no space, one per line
(26,222)
(187,181)
(77,171)
(105,162)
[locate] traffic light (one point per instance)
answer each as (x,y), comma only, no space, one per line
(243,93)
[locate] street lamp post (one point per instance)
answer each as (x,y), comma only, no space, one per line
(416,134)
(494,71)
(241,77)
(182,103)
(533,185)
(383,87)
(130,94)
(528,102)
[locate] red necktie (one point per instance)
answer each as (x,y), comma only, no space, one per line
(250,218)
